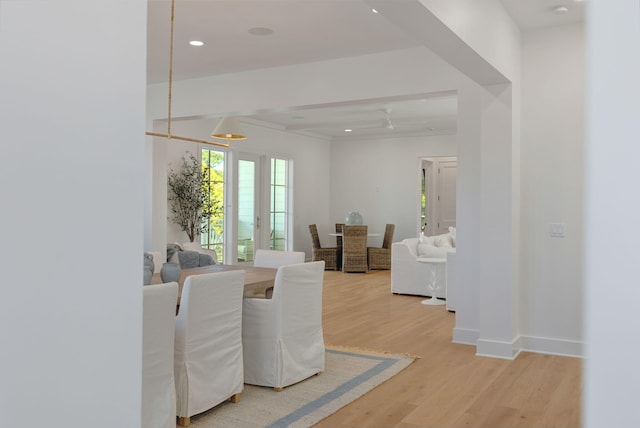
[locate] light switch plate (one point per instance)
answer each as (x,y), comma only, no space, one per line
(556,230)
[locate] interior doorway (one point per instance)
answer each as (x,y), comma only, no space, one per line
(438,195)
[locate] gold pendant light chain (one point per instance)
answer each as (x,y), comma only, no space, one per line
(173,4)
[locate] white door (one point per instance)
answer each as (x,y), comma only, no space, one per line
(446,200)
(438,195)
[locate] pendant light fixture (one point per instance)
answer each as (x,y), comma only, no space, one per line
(228,128)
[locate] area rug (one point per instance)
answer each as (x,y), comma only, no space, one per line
(348,375)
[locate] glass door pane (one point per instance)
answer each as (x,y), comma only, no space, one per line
(248,206)
(278,204)
(213,163)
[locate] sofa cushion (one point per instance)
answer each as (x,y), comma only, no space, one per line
(452,232)
(191,246)
(443,240)
(426,250)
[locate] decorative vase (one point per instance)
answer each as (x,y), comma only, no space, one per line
(148,262)
(353,218)
(148,274)
(170,272)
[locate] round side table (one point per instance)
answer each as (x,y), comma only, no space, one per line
(435,264)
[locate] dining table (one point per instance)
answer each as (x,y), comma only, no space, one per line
(256,279)
(340,234)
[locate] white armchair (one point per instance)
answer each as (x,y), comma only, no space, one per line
(409,276)
(158,326)
(282,337)
(208,344)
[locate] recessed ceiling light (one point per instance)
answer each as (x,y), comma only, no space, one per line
(260,31)
(374,11)
(347,130)
(196,43)
(560,10)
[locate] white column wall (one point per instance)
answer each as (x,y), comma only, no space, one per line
(552,189)
(468,202)
(487,273)
(498,280)
(72,117)
(486,28)
(612,209)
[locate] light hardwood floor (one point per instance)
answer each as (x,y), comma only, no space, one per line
(448,386)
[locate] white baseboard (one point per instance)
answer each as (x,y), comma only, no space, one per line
(510,350)
(551,346)
(465,336)
(498,349)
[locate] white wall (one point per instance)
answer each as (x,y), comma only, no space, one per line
(612,209)
(71,184)
(380,178)
(553,79)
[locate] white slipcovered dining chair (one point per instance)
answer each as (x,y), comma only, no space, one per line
(274,259)
(158,331)
(277,258)
(282,337)
(208,346)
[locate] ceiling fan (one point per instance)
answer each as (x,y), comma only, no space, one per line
(391,124)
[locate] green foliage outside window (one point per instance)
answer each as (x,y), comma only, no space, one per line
(213,167)
(190,200)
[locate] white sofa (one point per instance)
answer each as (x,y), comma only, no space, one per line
(409,276)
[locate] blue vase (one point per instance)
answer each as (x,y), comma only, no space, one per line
(170,272)
(353,218)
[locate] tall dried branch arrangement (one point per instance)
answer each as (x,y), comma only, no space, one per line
(189,198)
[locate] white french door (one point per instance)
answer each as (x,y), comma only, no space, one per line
(249,206)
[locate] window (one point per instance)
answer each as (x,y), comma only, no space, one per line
(213,165)
(278,207)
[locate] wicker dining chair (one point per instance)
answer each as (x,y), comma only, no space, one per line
(339,244)
(354,249)
(328,254)
(380,257)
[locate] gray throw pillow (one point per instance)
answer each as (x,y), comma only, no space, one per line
(206,260)
(189,259)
